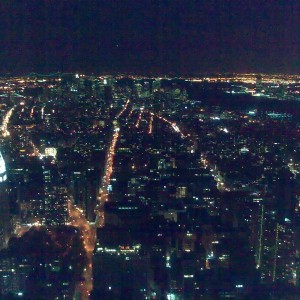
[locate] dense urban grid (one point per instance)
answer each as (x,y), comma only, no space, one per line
(127,187)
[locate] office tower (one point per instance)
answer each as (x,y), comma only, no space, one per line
(84,192)
(55,196)
(78,188)
(121,269)
(4,205)
(13,275)
(277,252)
(98,88)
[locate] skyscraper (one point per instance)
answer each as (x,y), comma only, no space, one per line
(55,196)
(121,267)
(4,205)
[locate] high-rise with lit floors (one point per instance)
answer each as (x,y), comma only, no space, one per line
(55,196)
(4,205)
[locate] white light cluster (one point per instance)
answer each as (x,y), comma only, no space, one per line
(2,169)
(51,152)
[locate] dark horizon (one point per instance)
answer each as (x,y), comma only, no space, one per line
(159,37)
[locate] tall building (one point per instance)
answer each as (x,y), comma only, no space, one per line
(55,197)
(277,251)
(83,187)
(121,268)
(13,275)
(98,88)
(4,205)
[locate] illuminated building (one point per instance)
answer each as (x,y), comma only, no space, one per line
(4,205)
(277,252)
(51,152)
(98,88)
(77,180)
(120,267)
(55,197)
(83,189)
(181,192)
(13,275)
(128,214)
(276,257)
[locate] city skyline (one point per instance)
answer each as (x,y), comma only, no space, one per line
(149,187)
(149,150)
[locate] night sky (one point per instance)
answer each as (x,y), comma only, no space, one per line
(179,37)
